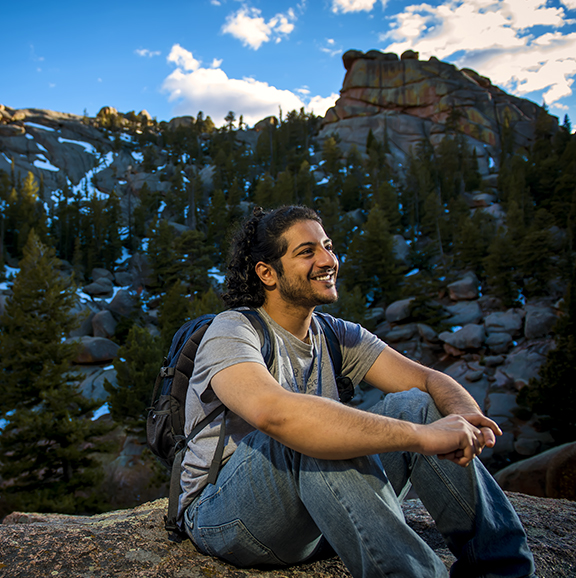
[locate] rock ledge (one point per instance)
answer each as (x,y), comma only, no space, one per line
(133,543)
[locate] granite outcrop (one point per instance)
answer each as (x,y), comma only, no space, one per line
(404,100)
(134,543)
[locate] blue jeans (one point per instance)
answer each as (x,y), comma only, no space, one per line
(272,505)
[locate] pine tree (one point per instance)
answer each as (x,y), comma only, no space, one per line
(217,224)
(264,194)
(284,188)
(137,366)
(386,197)
(553,392)
(351,305)
(500,266)
(353,191)
(35,321)
(49,443)
(305,184)
(370,262)
(160,253)
(24,212)
(209,302)
(534,255)
(191,262)
(175,309)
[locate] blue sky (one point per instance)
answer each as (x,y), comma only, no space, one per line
(177,57)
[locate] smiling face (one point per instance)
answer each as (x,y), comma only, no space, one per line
(307,273)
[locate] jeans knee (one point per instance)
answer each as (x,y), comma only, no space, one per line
(414,405)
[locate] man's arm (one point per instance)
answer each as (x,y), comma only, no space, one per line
(393,372)
(326,429)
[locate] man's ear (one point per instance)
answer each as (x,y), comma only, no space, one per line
(266,273)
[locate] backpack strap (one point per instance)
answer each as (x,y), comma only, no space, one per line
(267,349)
(174,493)
(344,384)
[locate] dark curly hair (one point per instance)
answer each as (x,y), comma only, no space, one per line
(260,239)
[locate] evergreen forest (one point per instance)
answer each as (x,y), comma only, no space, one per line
(50,445)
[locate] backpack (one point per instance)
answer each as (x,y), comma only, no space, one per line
(166,415)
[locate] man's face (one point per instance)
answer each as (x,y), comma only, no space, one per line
(309,266)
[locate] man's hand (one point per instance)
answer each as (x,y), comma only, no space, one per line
(458,438)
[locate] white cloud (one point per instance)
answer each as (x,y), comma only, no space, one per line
(193,87)
(183,58)
(353,5)
(252,30)
(331,47)
(319,105)
(146,52)
(216,63)
(497,38)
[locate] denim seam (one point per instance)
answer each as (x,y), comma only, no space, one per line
(367,550)
(451,488)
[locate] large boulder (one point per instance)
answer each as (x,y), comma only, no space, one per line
(510,321)
(104,324)
(471,336)
(92,384)
(102,287)
(522,364)
(540,322)
(551,474)
(465,288)
(94,349)
(464,312)
(399,310)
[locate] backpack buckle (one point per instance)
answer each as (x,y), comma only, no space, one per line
(167,372)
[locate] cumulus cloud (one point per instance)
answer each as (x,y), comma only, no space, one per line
(495,37)
(194,87)
(319,104)
(146,52)
(353,5)
(183,58)
(248,26)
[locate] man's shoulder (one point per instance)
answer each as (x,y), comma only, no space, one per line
(236,322)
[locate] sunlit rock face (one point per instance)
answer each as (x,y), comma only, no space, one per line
(404,100)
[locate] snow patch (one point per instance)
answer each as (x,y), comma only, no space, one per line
(103,410)
(42,163)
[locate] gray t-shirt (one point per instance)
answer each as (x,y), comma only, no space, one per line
(299,367)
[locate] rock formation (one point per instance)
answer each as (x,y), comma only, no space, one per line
(404,100)
(134,543)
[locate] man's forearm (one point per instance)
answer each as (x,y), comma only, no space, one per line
(449,396)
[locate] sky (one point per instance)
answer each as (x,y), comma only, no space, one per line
(257,58)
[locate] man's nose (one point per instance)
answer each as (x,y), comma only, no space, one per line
(327,259)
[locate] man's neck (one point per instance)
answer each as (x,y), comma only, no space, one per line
(295,320)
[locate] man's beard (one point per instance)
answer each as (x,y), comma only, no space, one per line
(302,294)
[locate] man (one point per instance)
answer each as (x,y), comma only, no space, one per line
(300,468)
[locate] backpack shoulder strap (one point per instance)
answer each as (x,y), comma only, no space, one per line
(344,384)
(332,342)
(266,342)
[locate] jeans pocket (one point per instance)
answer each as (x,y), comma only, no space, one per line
(234,543)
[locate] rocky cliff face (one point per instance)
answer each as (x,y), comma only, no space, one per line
(404,100)
(134,543)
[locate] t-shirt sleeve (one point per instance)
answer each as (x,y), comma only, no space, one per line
(229,340)
(360,348)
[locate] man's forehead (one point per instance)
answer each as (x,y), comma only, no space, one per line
(305,232)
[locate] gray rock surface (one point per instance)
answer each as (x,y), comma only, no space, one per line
(95,350)
(133,543)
